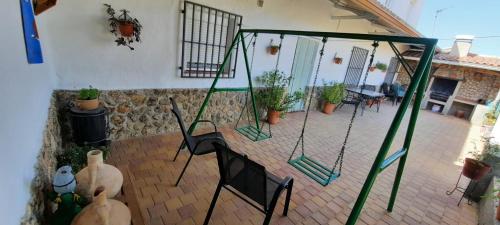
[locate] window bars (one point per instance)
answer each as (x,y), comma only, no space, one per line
(355,67)
(206,34)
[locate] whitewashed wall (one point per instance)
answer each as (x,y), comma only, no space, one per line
(84,52)
(25,91)
(408,10)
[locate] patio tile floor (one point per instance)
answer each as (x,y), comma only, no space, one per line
(430,171)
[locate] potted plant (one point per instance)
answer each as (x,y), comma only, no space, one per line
(274,96)
(273,48)
(88,98)
(124,27)
(371,68)
(381,66)
(474,167)
(332,95)
(337,60)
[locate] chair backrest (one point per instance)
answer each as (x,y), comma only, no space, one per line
(187,137)
(243,174)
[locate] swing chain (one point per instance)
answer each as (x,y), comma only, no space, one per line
(340,158)
(301,138)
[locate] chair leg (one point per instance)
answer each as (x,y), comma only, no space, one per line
(184,170)
(212,204)
(269,215)
(288,196)
(179,150)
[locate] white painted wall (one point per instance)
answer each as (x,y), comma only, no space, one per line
(408,10)
(25,91)
(85,54)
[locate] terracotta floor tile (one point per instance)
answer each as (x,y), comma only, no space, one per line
(430,171)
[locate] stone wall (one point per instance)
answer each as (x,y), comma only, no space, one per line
(146,112)
(44,169)
(475,85)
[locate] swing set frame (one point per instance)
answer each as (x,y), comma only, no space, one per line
(415,92)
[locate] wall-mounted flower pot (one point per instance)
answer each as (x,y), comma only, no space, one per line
(273,117)
(328,108)
(273,50)
(475,169)
(337,60)
(372,68)
(126,29)
(88,104)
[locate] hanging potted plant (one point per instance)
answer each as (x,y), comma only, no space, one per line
(273,48)
(332,95)
(381,66)
(88,98)
(274,96)
(125,28)
(337,60)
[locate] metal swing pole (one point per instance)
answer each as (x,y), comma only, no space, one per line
(379,163)
(217,76)
(409,133)
(250,86)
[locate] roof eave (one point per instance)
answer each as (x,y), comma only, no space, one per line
(463,64)
(388,17)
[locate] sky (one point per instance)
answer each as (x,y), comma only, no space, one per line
(480,18)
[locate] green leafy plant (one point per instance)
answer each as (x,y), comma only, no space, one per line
(381,66)
(333,92)
(274,95)
(88,93)
(76,156)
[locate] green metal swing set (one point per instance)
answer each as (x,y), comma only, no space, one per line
(415,92)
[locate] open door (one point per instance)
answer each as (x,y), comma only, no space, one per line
(302,68)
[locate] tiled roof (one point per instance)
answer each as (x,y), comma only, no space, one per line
(471,58)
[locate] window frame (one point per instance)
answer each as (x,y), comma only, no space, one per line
(203,68)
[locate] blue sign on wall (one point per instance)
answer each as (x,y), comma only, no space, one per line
(33,48)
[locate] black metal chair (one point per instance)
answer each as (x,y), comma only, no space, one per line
(249,181)
(196,144)
(349,99)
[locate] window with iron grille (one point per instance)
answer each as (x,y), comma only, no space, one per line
(207,34)
(355,67)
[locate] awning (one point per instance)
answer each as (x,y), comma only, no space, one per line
(379,14)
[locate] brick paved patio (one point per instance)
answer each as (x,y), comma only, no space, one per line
(429,172)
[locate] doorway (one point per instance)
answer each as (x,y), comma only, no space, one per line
(302,68)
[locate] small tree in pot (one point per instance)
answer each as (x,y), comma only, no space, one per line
(274,96)
(332,95)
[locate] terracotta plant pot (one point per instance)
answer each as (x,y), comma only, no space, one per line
(372,68)
(88,104)
(328,108)
(273,117)
(460,114)
(273,49)
(126,29)
(337,60)
(475,169)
